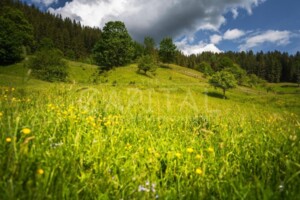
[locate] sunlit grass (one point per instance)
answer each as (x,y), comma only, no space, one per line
(154,139)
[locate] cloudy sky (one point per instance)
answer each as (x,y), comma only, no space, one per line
(194,25)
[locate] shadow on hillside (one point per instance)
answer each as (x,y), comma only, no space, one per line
(143,74)
(214,94)
(289,86)
(164,66)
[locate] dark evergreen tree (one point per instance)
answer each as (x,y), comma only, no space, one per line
(15,34)
(67,35)
(149,45)
(115,48)
(167,50)
(138,50)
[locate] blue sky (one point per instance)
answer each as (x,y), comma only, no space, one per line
(195,25)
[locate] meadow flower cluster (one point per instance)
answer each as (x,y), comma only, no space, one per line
(8,94)
(78,116)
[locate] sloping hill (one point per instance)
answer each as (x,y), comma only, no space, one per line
(163,77)
(82,73)
(167,78)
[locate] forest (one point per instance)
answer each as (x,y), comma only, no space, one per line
(26,30)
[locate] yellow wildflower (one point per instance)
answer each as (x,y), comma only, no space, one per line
(40,171)
(107,123)
(199,171)
(90,119)
(210,149)
(198,156)
(26,131)
(190,150)
(1,114)
(8,139)
(178,155)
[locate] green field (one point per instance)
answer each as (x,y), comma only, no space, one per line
(126,135)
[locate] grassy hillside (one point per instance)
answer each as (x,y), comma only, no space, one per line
(126,135)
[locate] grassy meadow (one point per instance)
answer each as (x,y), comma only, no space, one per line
(126,135)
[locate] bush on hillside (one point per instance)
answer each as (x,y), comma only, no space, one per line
(48,65)
(205,68)
(147,63)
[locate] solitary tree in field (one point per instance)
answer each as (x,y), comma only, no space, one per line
(167,50)
(224,80)
(115,47)
(147,63)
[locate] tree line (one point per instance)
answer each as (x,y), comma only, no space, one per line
(45,30)
(272,66)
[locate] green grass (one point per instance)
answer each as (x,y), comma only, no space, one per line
(131,136)
(81,73)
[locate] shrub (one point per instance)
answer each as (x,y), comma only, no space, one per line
(147,63)
(48,65)
(205,68)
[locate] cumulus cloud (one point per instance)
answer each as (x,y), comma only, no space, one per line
(45,2)
(270,36)
(228,35)
(155,18)
(233,34)
(215,39)
(198,48)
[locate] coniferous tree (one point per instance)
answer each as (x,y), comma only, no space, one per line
(167,50)
(15,33)
(149,45)
(115,48)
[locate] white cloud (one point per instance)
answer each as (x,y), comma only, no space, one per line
(228,35)
(155,18)
(215,39)
(189,49)
(235,13)
(233,34)
(45,2)
(270,36)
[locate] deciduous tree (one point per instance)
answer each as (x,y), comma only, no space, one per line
(147,63)
(224,80)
